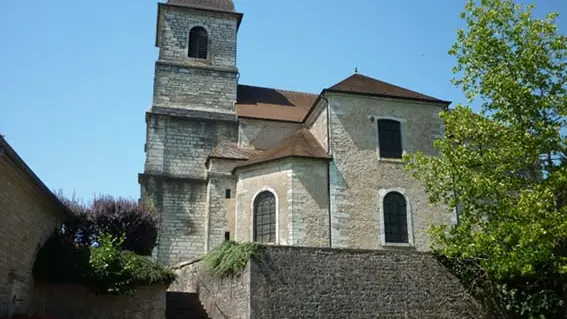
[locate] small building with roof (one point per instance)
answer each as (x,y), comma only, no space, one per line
(29,214)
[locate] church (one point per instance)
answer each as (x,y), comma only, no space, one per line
(225,160)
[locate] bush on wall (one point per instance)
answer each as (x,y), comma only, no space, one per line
(230,258)
(102,247)
(117,271)
(105,267)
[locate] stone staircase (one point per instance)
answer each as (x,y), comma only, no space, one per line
(184,305)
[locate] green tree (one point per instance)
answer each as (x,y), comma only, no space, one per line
(505,168)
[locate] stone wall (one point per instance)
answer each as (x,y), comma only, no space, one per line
(178,146)
(74,301)
(221,210)
(189,87)
(304,282)
(176,22)
(182,206)
(222,298)
(359,176)
(301,190)
(262,134)
(295,282)
(309,205)
(175,180)
(225,298)
(274,177)
(196,84)
(319,127)
(27,219)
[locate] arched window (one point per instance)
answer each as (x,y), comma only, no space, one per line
(198,43)
(395,218)
(390,138)
(265,217)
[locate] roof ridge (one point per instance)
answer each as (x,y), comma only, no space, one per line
(300,144)
(398,86)
(364,84)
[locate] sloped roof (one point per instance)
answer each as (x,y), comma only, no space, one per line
(232,151)
(361,84)
(19,164)
(302,144)
(281,105)
(273,104)
(222,5)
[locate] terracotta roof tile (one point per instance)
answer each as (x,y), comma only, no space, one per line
(358,83)
(302,144)
(223,5)
(281,105)
(273,104)
(232,151)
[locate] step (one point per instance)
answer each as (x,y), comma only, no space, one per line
(184,305)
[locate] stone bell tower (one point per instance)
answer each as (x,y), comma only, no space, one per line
(195,88)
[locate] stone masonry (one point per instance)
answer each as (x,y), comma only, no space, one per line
(29,214)
(182,82)
(358,174)
(335,200)
(192,112)
(262,135)
(251,183)
(294,282)
(76,301)
(319,127)
(303,282)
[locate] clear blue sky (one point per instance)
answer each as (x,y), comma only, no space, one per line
(76,76)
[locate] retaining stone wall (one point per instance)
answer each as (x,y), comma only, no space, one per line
(74,301)
(295,282)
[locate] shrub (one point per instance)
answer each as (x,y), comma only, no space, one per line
(106,268)
(126,218)
(78,229)
(230,258)
(116,217)
(118,272)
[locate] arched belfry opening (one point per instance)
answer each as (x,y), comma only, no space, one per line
(198,43)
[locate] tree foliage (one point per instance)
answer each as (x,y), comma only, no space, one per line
(116,217)
(118,272)
(106,268)
(505,168)
(103,246)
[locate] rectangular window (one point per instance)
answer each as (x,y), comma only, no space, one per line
(227,193)
(390,139)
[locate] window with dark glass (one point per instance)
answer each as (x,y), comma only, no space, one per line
(265,218)
(395,218)
(198,43)
(390,138)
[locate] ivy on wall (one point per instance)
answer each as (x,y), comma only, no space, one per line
(230,258)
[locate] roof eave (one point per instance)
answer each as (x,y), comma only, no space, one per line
(237,14)
(395,97)
(10,153)
(328,159)
(312,108)
(158,24)
(211,157)
(269,119)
